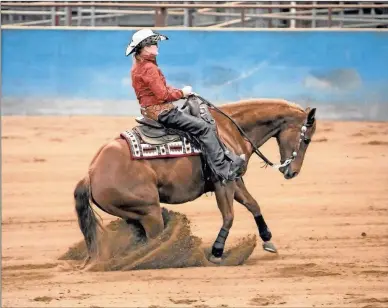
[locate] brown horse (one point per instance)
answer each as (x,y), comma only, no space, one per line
(133,189)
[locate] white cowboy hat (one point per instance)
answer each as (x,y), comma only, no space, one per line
(142,35)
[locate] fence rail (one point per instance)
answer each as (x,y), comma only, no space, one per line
(192,6)
(243,14)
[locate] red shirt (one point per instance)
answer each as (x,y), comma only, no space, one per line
(150,85)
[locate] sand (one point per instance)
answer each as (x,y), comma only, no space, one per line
(123,246)
(329,224)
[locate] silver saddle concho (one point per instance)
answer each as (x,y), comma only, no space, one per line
(154,133)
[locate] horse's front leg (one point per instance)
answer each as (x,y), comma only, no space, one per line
(224,196)
(242,196)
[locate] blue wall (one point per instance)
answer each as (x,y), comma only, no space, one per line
(342,71)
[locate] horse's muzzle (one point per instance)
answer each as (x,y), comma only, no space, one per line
(288,173)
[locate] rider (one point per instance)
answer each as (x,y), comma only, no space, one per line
(156,97)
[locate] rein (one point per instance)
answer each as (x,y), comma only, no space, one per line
(255,148)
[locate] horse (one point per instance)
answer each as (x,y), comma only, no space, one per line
(132,189)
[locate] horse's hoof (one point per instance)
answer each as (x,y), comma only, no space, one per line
(215,260)
(268,246)
(85,263)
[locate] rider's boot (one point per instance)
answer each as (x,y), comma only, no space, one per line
(236,167)
(222,167)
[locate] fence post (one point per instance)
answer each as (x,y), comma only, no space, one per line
(53,16)
(313,15)
(79,16)
(188,17)
(293,12)
(68,16)
(243,18)
(270,19)
(92,16)
(329,15)
(160,17)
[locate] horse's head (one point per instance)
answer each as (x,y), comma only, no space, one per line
(293,141)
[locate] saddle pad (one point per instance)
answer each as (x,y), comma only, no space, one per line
(142,150)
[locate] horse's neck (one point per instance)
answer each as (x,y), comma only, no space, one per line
(262,132)
(265,120)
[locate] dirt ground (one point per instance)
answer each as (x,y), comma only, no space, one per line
(330,225)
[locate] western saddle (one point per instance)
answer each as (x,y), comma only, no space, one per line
(152,132)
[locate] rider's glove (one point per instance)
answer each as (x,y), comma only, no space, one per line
(187,90)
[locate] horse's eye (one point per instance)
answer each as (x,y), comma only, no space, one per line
(306,141)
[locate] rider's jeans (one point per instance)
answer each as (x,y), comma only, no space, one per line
(204,133)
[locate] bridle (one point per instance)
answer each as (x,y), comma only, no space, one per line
(294,154)
(256,150)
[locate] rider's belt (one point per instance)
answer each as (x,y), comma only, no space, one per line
(153,111)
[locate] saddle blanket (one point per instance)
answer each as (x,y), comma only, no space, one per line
(142,150)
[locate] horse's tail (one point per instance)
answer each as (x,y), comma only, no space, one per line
(87,220)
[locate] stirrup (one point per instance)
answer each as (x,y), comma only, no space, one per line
(238,170)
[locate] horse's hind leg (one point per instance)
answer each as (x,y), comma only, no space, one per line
(149,223)
(148,226)
(152,222)
(224,197)
(244,197)
(139,229)
(143,212)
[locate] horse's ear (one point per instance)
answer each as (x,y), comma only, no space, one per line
(311,116)
(308,109)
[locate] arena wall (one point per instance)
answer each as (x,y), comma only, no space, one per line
(84,71)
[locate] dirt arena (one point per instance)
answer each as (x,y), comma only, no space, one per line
(330,225)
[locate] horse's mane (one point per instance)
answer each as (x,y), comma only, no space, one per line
(270,102)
